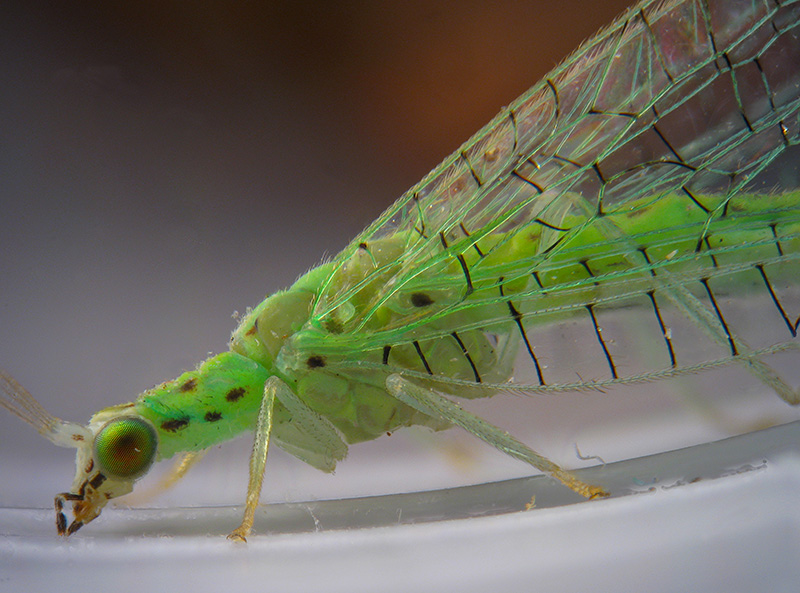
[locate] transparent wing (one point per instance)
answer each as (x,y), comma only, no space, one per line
(656,169)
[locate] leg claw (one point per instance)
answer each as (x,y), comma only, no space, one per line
(237,536)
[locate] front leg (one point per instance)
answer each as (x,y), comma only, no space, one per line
(176,473)
(258,458)
(436,405)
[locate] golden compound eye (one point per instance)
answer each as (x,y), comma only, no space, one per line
(125,447)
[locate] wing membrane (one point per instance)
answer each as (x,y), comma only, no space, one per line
(657,168)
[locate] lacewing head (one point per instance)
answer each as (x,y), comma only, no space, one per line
(115,449)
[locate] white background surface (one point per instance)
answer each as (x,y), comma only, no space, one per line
(739,532)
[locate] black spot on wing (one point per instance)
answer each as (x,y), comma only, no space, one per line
(421,299)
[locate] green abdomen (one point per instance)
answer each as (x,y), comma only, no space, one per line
(478,314)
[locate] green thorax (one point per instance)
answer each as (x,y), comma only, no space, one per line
(220,398)
(205,406)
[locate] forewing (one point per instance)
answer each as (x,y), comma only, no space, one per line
(656,168)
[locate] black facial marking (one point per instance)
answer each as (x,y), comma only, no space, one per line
(315,362)
(97,481)
(213,416)
(421,299)
(188,385)
(235,394)
(175,425)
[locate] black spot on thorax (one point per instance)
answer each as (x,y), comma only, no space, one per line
(235,394)
(213,416)
(175,425)
(188,385)
(315,362)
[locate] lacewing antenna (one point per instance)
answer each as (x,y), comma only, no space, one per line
(17,400)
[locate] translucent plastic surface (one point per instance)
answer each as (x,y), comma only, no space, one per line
(715,517)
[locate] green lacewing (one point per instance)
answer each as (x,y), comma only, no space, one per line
(655,170)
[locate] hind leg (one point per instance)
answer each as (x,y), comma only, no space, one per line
(436,405)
